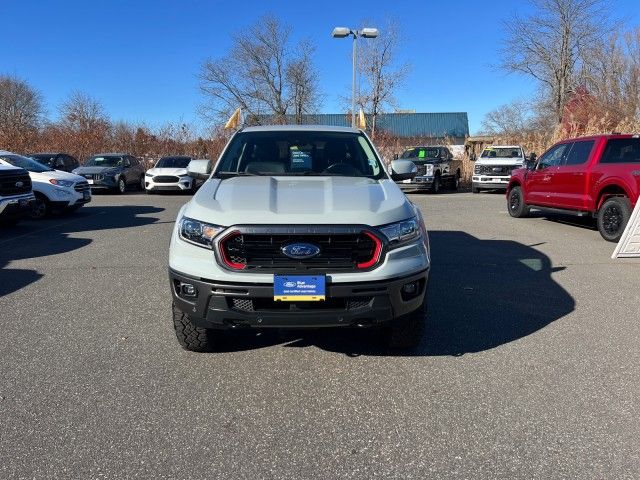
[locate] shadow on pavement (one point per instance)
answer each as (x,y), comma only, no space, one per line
(482,294)
(33,239)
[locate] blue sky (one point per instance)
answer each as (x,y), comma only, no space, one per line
(141,58)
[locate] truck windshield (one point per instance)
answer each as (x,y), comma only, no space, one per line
(420,153)
(291,152)
(502,152)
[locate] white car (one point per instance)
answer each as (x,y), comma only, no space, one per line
(55,190)
(170,173)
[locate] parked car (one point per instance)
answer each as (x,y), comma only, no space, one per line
(57,161)
(170,173)
(113,171)
(16,195)
(298,227)
(436,169)
(55,191)
(493,169)
(592,176)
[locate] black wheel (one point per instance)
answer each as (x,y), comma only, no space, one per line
(407,331)
(122,185)
(41,207)
(515,203)
(435,188)
(455,185)
(613,217)
(475,190)
(190,337)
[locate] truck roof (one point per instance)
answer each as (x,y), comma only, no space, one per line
(305,128)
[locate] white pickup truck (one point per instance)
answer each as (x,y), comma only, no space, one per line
(492,170)
(299,227)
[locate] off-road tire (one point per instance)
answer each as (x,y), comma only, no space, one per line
(613,217)
(407,331)
(455,185)
(515,203)
(190,337)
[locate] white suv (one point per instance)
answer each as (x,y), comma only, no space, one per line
(299,227)
(170,173)
(55,190)
(493,169)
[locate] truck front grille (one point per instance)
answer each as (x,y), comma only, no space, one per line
(262,252)
(495,170)
(14,182)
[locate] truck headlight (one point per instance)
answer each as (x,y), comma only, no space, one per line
(197,232)
(402,232)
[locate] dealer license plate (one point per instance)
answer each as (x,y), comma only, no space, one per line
(299,288)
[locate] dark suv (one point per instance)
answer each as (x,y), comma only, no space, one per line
(113,171)
(57,161)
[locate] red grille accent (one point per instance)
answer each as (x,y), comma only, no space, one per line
(376,252)
(223,252)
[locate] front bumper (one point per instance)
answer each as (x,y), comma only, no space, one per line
(17,206)
(104,183)
(488,181)
(225,305)
(183,185)
(418,183)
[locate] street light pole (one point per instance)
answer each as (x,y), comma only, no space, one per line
(353,82)
(343,32)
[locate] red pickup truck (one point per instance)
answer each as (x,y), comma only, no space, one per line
(597,176)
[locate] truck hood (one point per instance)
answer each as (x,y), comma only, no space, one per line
(178,172)
(500,161)
(299,200)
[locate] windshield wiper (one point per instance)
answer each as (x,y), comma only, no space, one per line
(233,174)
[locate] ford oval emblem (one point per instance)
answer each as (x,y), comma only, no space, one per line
(19,184)
(300,251)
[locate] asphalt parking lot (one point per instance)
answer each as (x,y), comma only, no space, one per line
(531,368)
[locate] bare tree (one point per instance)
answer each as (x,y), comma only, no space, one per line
(380,72)
(84,119)
(20,112)
(261,74)
(508,119)
(613,76)
(553,45)
(302,82)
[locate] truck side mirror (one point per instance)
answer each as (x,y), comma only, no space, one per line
(403,170)
(199,169)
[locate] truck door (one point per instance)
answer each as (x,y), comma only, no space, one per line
(570,179)
(539,188)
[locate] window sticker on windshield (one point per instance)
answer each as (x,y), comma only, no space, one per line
(422,154)
(300,160)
